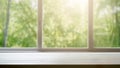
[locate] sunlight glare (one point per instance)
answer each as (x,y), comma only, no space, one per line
(77,3)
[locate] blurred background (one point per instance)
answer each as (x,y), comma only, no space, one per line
(65,23)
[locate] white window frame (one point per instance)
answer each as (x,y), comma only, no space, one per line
(40,37)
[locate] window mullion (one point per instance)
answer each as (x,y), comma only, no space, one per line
(90,25)
(40,17)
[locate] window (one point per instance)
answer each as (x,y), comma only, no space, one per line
(106,23)
(18,21)
(63,25)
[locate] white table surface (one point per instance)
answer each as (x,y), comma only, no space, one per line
(60,58)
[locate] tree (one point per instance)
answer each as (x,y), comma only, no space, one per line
(6,24)
(110,18)
(3,6)
(21,22)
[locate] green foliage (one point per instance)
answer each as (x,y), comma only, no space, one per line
(107,22)
(3,4)
(23,23)
(65,23)
(63,26)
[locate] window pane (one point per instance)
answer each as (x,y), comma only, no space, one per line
(65,23)
(18,23)
(3,4)
(107,23)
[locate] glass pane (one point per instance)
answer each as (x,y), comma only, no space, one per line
(107,23)
(18,23)
(65,23)
(3,4)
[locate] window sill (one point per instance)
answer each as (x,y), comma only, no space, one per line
(60,58)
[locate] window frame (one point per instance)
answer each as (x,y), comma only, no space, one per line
(90,47)
(40,48)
